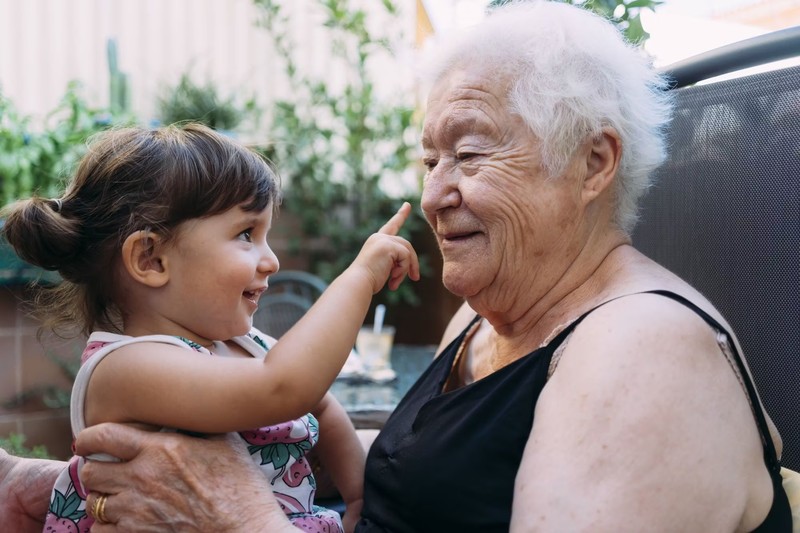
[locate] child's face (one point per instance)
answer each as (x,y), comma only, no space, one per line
(218,270)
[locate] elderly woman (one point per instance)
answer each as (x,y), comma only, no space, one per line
(582,387)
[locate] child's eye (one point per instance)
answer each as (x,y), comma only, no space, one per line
(247,235)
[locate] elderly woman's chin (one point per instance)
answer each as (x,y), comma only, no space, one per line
(463,280)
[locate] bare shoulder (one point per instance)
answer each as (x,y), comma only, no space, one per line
(124,363)
(126,371)
(643,425)
(144,352)
(627,322)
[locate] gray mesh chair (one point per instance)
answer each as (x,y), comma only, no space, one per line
(724,214)
(290,295)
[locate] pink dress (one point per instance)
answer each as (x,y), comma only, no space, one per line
(279,450)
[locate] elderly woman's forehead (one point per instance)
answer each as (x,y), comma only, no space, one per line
(471,82)
(460,95)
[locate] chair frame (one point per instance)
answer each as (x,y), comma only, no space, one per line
(291,291)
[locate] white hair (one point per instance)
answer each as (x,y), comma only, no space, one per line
(571,74)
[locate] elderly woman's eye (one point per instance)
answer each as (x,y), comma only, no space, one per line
(465,156)
(429,163)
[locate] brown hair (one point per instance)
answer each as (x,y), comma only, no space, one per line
(131,179)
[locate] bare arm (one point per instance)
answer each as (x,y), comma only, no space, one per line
(648,430)
(171,482)
(343,457)
(25,486)
(167,386)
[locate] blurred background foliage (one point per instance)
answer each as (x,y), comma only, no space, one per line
(339,149)
(625,14)
(15,445)
(190,101)
(38,160)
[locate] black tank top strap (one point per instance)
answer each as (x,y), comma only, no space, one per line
(771,455)
(779,517)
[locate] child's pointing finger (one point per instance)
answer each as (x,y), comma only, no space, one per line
(392,227)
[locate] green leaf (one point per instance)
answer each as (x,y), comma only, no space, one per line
(280,455)
(266,454)
(390,7)
(57,503)
(635,32)
(71,504)
(77,515)
(295,451)
(644,4)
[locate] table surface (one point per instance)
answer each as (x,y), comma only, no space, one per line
(369,404)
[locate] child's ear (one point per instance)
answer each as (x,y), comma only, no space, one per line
(143,259)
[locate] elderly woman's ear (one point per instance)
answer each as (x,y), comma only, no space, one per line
(602,154)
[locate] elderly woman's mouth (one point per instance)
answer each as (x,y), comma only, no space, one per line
(461,236)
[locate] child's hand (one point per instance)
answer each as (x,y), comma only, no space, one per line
(385,256)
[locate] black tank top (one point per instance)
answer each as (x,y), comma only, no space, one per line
(447,461)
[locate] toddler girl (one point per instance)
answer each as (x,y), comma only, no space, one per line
(161,241)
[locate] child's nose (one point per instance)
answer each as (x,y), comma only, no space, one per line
(269,261)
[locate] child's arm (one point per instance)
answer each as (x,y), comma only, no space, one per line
(342,456)
(169,386)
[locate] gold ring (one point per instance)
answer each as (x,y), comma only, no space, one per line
(99,509)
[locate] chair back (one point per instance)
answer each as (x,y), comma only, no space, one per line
(289,296)
(724,214)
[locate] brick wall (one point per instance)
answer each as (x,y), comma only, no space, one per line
(26,369)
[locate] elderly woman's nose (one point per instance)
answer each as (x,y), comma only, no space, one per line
(439,191)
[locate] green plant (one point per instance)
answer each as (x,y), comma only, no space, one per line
(119,100)
(624,13)
(15,445)
(337,149)
(190,101)
(37,162)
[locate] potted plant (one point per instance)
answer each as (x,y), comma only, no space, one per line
(195,102)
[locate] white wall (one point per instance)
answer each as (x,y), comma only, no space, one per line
(46,43)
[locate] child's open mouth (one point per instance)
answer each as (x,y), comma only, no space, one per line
(253,296)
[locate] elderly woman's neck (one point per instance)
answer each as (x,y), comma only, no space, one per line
(537,314)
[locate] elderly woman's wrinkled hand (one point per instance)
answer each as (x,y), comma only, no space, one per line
(172,482)
(24,487)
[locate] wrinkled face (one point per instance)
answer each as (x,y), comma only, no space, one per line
(219,267)
(498,219)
